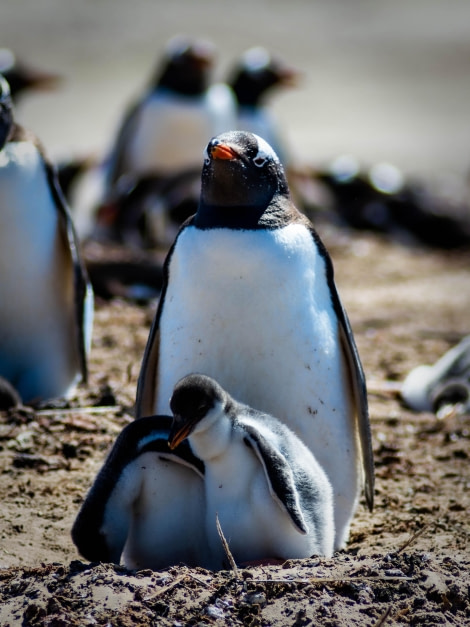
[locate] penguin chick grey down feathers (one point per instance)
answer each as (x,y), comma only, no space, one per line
(249,298)
(46,312)
(145,506)
(272,498)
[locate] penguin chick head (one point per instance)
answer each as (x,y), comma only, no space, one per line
(241,174)
(197,402)
(6,111)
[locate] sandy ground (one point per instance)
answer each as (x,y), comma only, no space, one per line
(407,563)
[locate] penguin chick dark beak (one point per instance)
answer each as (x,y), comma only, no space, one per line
(180,429)
(222,151)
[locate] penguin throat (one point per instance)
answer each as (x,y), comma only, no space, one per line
(244,217)
(210,439)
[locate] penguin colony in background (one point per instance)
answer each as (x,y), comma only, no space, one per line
(46,312)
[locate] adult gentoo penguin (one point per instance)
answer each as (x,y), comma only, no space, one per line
(46,309)
(146,503)
(164,130)
(249,298)
(160,141)
(272,498)
(253,78)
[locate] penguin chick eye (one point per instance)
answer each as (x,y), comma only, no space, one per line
(259,161)
(201,409)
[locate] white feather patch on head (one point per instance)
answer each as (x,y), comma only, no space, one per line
(256,59)
(265,152)
(206,156)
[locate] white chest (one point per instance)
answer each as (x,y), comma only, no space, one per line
(172,132)
(253,310)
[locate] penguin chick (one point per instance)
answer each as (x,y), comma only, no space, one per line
(145,507)
(270,494)
(249,298)
(46,313)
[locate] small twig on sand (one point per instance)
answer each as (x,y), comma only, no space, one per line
(228,553)
(413,538)
(384,617)
(99,409)
(167,588)
(203,583)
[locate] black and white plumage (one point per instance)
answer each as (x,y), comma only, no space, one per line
(272,498)
(46,313)
(249,298)
(445,383)
(160,139)
(145,507)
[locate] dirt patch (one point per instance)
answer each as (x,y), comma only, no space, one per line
(407,563)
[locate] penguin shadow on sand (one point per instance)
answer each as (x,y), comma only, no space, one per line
(283,465)
(46,314)
(168,483)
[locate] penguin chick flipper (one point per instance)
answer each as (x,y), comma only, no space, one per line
(279,476)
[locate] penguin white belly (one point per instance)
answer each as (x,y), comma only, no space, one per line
(164,520)
(253,310)
(253,523)
(38,337)
(171,132)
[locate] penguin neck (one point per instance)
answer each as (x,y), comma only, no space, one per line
(269,216)
(212,436)
(183,83)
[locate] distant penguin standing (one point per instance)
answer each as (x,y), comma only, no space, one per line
(249,298)
(161,136)
(146,505)
(270,495)
(46,310)
(254,77)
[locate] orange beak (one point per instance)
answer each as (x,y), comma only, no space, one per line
(222,151)
(178,433)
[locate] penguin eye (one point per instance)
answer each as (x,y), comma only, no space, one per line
(202,409)
(259,161)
